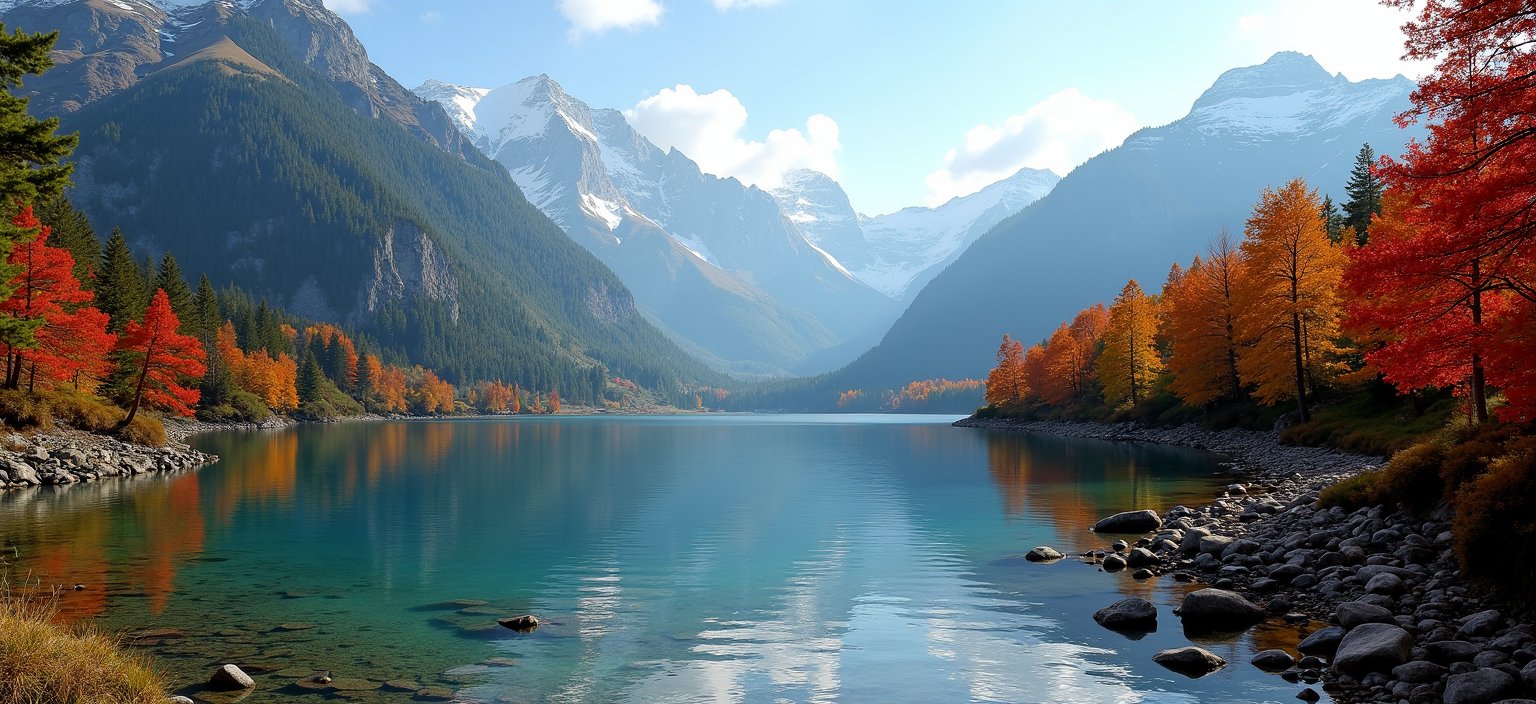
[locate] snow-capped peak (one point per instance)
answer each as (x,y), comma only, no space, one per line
(458,101)
(1290,94)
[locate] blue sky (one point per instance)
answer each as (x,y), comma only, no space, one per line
(904,102)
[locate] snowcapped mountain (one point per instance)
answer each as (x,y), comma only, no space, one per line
(715,262)
(899,252)
(1132,211)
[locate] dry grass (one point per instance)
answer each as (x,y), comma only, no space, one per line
(42,662)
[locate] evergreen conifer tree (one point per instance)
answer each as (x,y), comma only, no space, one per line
(119,285)
(72,230)
(205,313)
(1333,220)
(311,379)
(168,278)
(1364,191)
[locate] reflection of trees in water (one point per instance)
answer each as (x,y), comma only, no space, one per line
(171,524)
(1072,483)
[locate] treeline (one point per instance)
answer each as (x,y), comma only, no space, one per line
(936,395)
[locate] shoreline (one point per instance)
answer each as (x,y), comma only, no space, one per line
(1267,540)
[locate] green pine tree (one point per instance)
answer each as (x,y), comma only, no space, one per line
(72,230)
(1333,220)
(1364,191)
(32,166)
(205,313)
(168,278)
(119,284)
(311,381)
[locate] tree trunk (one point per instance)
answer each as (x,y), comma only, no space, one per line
(1301,375)
(1479,390)
(138,389)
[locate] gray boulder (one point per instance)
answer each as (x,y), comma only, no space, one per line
(521,624)
(1528,673)
(1356,613)
(1133,614)
(1219,610)
(1190,543)
(1273,660)
(229,678)
(1482,623)
(1483,686)
(1143,521)
(1190,661)
(1419,672)
(1214,545)
(1113,563)
(1044,553)
(1385,583)
(1446,652)
(1141,557)
(1372,647)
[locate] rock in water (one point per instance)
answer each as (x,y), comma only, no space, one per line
(230,678)
(1372,647)
(521,624)
(1133,614)
(1323,641)
(1113,563)
(1356,613)
(1141,557)
(1273,660)
(1218,610)
(1044,553)
(1190,661)
(1143,521)
(1483,686)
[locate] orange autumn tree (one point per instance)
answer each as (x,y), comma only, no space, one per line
(430,394)
(272,378)
(1201,316)
(1006,383)
(162,360)
(1129,364)
(1061,358)
(1287,297)
(1036,375)
(494,396)
(70,342)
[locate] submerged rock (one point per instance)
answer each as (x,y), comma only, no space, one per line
(1142,521)
(521,624)
(1190,661)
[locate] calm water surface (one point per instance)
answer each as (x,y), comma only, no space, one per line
(674,559)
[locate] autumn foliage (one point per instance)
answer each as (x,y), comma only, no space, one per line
(70,341)
(1129,362)
(1201,317)
(1007,384)
(163,361)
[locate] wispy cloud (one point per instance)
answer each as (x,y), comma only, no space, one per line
(708,128)
(724,5)
(598,16)
(1057,133)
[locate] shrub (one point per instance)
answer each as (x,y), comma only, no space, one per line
(144,430)
(1353,492)
(24,411)
(41,661)
(249,407)
(1495,517)
(83,412)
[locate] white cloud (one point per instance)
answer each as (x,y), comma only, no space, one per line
(431,17)
(598,16)
(1057,133)
(724,5)
(349,7)
(708,128)
(1359,38)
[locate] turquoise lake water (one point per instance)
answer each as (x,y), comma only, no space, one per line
(673,559)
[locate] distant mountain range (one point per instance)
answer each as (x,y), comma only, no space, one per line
(256,141)
(1133,211)
(759,283)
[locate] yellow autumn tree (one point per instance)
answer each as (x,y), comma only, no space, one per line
(1061,367)
(1287,298)
(1201,317)
(1006,383)
(1129,363)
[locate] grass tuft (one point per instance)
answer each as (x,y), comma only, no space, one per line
(42,662)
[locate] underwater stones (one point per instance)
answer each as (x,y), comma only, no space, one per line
(522,624)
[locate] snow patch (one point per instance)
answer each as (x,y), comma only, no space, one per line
(605,210)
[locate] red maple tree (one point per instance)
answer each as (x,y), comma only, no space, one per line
(163,359)
(71,341)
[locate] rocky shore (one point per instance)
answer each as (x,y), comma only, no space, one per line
(65,456)
(1403,624)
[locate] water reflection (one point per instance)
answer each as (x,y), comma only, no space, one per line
(682,559)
